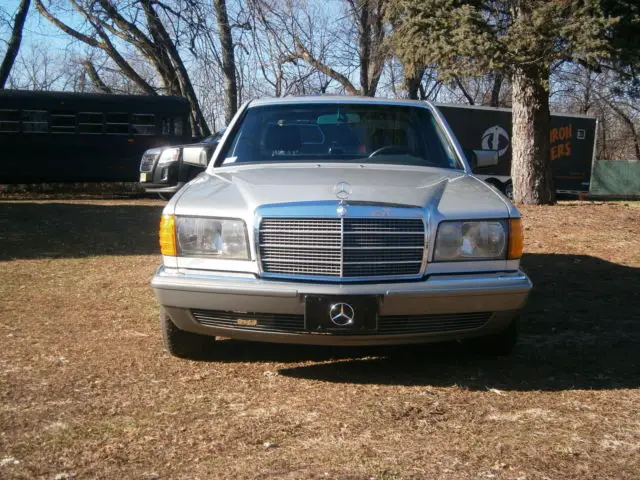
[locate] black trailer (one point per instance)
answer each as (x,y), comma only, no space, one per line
(572,140)
(77,137)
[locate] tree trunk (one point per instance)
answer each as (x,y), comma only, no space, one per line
(228,60)
(14,42)
(364,41)
(464,90)
(412,81)
(495,90)
(531,165)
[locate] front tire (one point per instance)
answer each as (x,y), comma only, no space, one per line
(182,344)
(499,344)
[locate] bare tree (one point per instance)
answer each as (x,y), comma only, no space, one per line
(13,45)
(353,43)
(40,68)
(108,21)
(291,43)
(600,94)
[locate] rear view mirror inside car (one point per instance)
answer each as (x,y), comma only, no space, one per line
(338,118)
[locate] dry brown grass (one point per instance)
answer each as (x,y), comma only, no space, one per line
(86,391)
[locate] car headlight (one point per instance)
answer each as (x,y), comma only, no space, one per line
(217,237)
(169,155)
(471,240)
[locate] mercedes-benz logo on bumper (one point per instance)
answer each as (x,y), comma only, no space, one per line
(342,314)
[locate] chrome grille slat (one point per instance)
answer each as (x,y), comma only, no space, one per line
(384,242)
(381,232)
(342,247)
(384,224)
(389,270)
(295,260)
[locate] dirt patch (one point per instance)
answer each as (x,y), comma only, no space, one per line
(86,392)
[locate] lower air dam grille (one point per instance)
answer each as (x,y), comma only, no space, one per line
(387,325)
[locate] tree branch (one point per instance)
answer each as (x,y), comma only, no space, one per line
(327,70)
(95,77)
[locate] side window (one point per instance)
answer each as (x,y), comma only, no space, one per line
(116,124)
(167,126)
(9,121)
(172,126)
(143,124)
(35,121)
(90,123)
(63,122)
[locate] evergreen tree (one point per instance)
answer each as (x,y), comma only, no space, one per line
(525,39)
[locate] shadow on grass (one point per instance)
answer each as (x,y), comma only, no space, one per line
(581,330)
(70,230)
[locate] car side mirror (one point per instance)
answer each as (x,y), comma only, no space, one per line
(195,156)
(482,158)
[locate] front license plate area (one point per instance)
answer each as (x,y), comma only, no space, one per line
(340,313)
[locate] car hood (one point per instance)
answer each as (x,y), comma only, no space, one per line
(237,191)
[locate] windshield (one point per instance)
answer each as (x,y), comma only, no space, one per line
(339,132)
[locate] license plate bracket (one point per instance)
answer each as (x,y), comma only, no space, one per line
(335,313)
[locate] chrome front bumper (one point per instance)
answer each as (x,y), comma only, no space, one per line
(179,292)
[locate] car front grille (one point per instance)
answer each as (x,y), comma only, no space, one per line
(387,325)
(342,247)
(148,161)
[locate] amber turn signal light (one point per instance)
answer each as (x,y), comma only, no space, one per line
(516,239)
(168,235)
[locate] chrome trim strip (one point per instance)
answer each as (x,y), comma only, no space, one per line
(344,233)
(341,244)
(425,254)
(333,247)
(485,283)
(256,240)
(337,279)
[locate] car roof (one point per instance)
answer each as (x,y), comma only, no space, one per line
(339,99)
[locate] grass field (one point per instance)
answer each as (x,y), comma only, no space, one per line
(86,391)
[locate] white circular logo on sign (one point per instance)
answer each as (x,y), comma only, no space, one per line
(495,138)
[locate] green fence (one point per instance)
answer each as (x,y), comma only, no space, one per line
(616,178)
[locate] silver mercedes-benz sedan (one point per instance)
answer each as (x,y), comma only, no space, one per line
(340,221)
